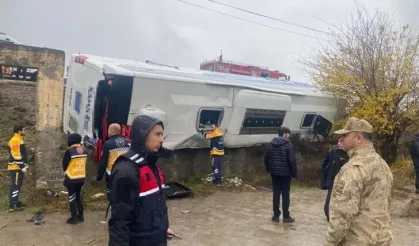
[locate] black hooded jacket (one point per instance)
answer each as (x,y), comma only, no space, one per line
(138,217)
(414,151)
(280,158)
(332,163)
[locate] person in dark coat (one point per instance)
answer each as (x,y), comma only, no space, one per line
(281,164)
(335,158)
(414,154)
(138,205)
(115,146)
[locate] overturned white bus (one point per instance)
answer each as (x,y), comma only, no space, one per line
(101,91)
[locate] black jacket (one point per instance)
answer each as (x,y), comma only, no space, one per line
(280,158)
(414,152)
(138,205)
(112,149)
(332,163)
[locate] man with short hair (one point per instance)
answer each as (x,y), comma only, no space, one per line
(115,146)
(18,160)
(138,204)
(414,154)
(360,203)
(281,164)
(333,162)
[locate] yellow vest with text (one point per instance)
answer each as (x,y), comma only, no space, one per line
(18,156)
(217,141)
(77,166)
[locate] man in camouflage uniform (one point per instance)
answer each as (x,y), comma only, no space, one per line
(360,204)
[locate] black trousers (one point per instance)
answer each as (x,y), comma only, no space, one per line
(108,186)
(417,178)
(281,185)
(327,203)
(141,243)
(16,181)
(74,198)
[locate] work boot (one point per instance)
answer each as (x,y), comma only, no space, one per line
(80,217)
(72,221)
(288,220)
(275,219)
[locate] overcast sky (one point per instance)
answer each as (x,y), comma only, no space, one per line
(171,32)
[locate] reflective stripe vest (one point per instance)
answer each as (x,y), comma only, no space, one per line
(76,169)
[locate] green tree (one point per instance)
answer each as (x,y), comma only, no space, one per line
(372,64)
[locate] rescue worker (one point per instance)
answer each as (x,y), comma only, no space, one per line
(280,162)
(216,152)
(360,204)
(334,160)
(74,166)
(138,204)
(18,164)
(115,146)
(414,154)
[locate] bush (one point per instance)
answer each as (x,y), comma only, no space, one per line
(403,172)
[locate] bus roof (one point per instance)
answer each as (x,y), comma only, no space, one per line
(160,71)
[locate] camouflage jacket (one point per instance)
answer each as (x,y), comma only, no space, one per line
(360,203)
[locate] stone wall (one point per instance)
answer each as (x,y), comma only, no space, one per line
(49,96)
(243,161)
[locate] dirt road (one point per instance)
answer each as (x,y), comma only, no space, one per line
(224,218)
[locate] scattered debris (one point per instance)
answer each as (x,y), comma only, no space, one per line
(174,190)
(208,179)
(264,188)
(98,195)
(53,194)
(37,219)
(249,186)
(235,181)
(186,212)
(64,192)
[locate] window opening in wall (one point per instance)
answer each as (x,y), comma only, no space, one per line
(308,120)
(208,116)
(262,121)
(77,102)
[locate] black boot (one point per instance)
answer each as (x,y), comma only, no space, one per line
(288,220)
(72,221)
(80,216)
(275,218)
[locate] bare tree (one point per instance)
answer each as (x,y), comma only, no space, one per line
(373,64)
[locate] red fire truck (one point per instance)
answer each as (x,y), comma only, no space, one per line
(223,66)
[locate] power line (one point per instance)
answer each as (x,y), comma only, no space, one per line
(243,19)
(269,17)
